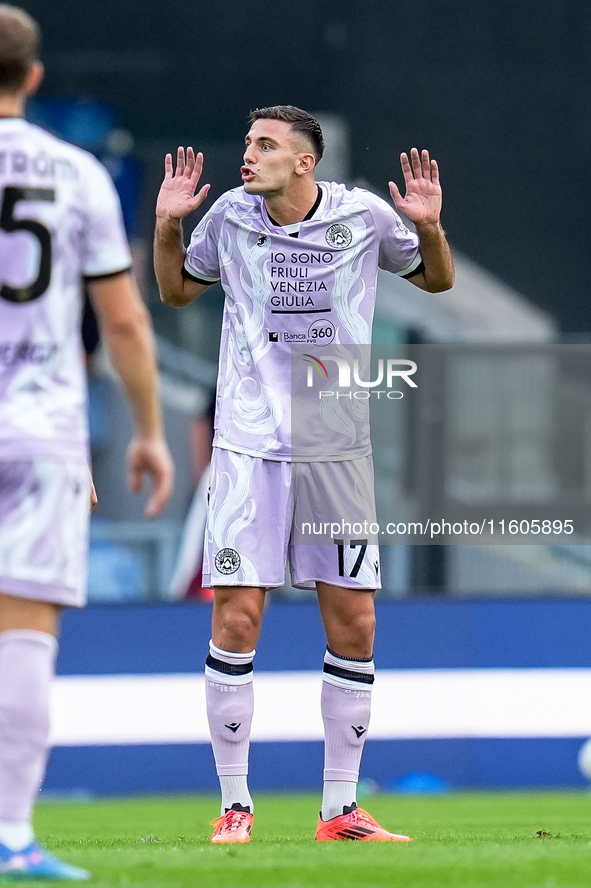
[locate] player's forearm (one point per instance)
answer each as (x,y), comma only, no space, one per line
(438,274)
(133,355)
(169,257)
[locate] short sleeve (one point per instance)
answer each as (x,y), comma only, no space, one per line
(399,247)
(105,248)
(202,262)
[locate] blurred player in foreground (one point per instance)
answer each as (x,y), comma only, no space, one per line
(279,226)
(60,223)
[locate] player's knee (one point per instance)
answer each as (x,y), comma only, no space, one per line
(240,629)
(357,634)
(365,626)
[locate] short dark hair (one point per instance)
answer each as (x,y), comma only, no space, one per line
(301,122)
(20,38)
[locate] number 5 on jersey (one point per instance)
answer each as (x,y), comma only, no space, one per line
(9,223)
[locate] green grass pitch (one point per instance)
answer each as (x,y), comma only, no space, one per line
(464,840)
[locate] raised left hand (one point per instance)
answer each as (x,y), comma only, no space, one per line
(422,201)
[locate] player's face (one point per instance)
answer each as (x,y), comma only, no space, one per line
(271,157)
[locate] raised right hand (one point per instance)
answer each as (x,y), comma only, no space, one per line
(177,198)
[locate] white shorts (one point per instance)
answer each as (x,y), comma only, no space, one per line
(259,514)
(44,505)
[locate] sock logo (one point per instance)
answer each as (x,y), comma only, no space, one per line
(359,730)
(233,727)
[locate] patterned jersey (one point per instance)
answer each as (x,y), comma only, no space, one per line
(313,285)
(60,221)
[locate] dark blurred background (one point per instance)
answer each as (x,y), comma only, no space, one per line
(498,91)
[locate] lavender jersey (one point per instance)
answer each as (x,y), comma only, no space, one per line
(310,284)
(60,221)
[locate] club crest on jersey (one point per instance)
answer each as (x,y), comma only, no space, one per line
(227,561)
(339,236)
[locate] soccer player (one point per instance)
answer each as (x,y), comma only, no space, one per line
(279,226)
(60,225)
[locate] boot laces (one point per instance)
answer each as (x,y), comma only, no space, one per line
(360,814)
(231,820)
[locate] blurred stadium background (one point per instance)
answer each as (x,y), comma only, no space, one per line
(485,648)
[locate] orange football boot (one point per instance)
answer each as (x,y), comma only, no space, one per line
(233,826)
(357,825)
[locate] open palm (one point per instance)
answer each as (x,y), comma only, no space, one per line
(177,197)
(422,201)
